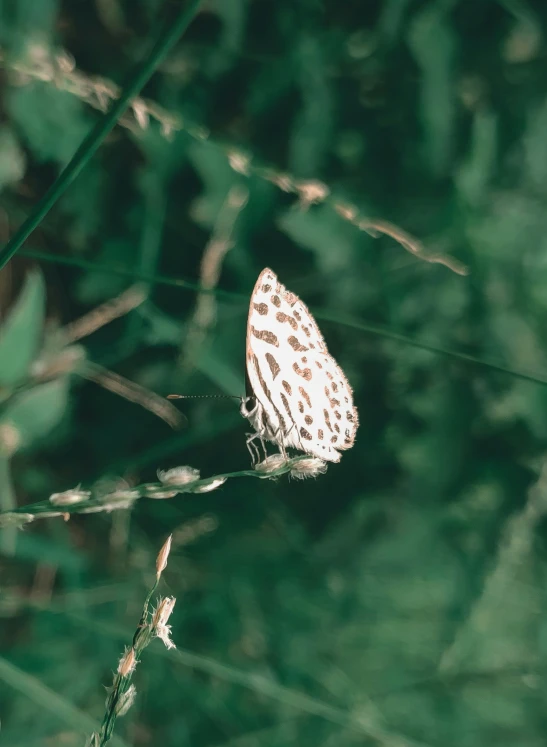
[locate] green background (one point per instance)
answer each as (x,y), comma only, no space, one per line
(399,599)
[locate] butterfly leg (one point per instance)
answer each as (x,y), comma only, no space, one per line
(264,448)
(253,448)
(279,443)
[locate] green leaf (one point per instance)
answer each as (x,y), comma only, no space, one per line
(34,413)
(477,168)
(323,233)
(21,331)
(217,177)
(8,534)
(12,158)
(535,148)
(434,45)
(313,126)
(40,111)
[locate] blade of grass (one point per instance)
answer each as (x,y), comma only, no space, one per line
(46,699)
(8,535)
(129,272)
(373,329)
(167,38)
(435,349)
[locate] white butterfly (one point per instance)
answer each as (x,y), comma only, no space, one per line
(297,395)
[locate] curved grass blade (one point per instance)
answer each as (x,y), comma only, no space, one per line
(373,329)
(167,38)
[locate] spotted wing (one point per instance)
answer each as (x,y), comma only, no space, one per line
(306,399)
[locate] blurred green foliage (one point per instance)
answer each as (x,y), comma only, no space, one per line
(400,598)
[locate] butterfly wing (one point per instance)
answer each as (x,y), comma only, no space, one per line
(306,400)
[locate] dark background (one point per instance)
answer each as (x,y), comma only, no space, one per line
(400,598)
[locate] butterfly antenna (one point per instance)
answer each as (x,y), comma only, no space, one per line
(203,396)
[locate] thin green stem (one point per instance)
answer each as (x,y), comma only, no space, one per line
(435,349)
(169,35)
(124,498)
(129,272)
(373,329)
(152,624)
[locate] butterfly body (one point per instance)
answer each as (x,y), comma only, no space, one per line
(297,395)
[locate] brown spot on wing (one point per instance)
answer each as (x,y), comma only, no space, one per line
(308,420)
(260,377)
(305,434)
(327,419)
(286,405)
(304,372)
(290,297)
(268,393)
(282,318)
(265,336)
(276,300)
(273,364)
(300,406)
(296,345)
(320,434)
(297,316)
(332,400)
(287,387)
(266,288)
(262,308)
(306,396)
(306,330)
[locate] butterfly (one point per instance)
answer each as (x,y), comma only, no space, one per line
(296,393)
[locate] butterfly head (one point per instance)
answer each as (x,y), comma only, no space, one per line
(249,406)
(252,409)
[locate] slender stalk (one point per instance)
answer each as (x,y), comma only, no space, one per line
(167,38)
(178,480)
(130,272)
(152,624)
